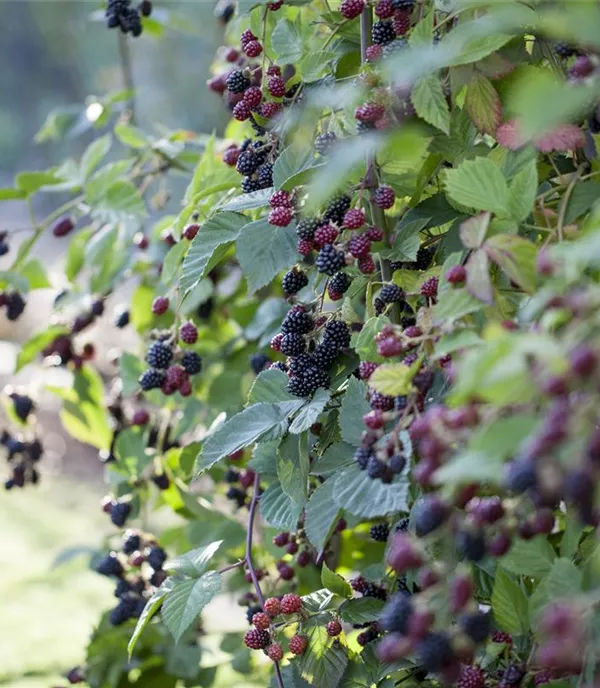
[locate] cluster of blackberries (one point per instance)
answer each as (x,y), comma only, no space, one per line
(259,636)
(240,482)
(22,458)
(119,510)
(138,571)
(380,456)
(296,545)
(166,374)
(369,589)
(14,304)
(120,14)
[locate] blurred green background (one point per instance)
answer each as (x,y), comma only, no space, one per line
(54,56)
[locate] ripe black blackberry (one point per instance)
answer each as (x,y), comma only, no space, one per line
(293,281)
(362,457)
(375,468)
(383,32)
(471,544)
(119,511)
(131,543)
(512,676)
(122,319)
(191,362)
(435,651)
(336,209)
(248,162)
(23,406)
(15,306)
(397,464)
(124,610)
(403,587)
(337,333)
(324,142)
(380,532)
(401,526)
(123,588)
(299,322)
(299,364)
(250,185)
(404,5)
(324,355)
(231,476)
(379,305)
(109,566)
(251,611)
(237,82)
(236,495)
(151,379)
(340,283)
(156,557)
(396,46)
(391,293)
(564,50)
(305,229)
(258,362)
(293,344)
(308,381)
(374,590)
(265,175)
(131,22)
(396,614)
(477,626)
(159,355)
(521,476)
(329,261)
(428,514)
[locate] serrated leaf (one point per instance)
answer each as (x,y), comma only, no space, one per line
(308,414)
(355,492)
(393,379)
(186,600)
(293,465)
(472,231)
(33,347)
(479,282)
(564,580)
(30,182)
(516,257)
(483,104)
(509,605)
(131,136)
(172,263)
(584,196)
(250,201)
(131,367)
(354,407)
(523,191)
(321,515)
(293,167)
(193,563)
(479,184)
(335,583)
(122,201)
(533,558)
(287,42)
(270,387)
(324,661)
(242,430)
(337,456)
(407,240)
(429,101)
(278,510)
(264,250)
(8,194)
(364,343)
(94,155)
(362,610)
(454,304)
(152,606)
(220,231)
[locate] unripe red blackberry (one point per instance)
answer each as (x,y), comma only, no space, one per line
(274,6)
(253,48)
(304,558)
(359,246)
(217,83)
(190,231)
(230,156)
(429,288)
(384,9)
(140,417)
(276,86)
(290,604)
(275,652)
(374,53)
(242,111)
(354,218)
(257,639)
(366,369)
(160,305)
(268,110)
(246,37)
(460,592)
(286,572)
(390,346)
(63,227)
(334,628)
(298,644)
(292,547)
(188,332)
(273,607)
(325,234)
(374,234)
(403,555)
(401,22)
(369,112)
(582,67)
(281,539)
(253,97)
(385,197)
(280,198)
(471,677)
(261,620)
(352,8)
(366,265)
(280,216)
(583,360)
(457,274)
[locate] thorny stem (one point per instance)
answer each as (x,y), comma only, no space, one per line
(250,565)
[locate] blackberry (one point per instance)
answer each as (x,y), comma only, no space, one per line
(156,557)
(337,333)
(131,543)
(236,495)
(512,676)
(477,626)
(297,321)
(237,82)
(362,456)
(293,281)
(248,163)
(231,476)
(340,283)
(123,588)
(380,401)
(293,344)
(564,50)
(401,526)
(151,379)
(471,545)
(324,355)
(521,476)
(131,22)
(22,405)
(299,364)
(250,185)
(396,614)
(324,142)
(429,513)
(375,468)
(251,611)
(159,355)
(435,651)
(119,511)
(423,260)
(336,209)
(191,362)
(109,566)
(307,382)
(278,365)
(403,587)
(391,293)
(379,305)
(383,32)
(396,46)
(397,464)
(380,532)
(329,261)
(124,610)
(404,5)
(385,197)
(15,306)
(258,362)
(265,175)
(408,321)
(374,590)
(305,229)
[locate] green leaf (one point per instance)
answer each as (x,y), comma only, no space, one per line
(186,600)
(523,191)
(286,42)
(76,253)
(250,201)
(429,101)
(220,231)
(516,258)
(472,231)
(131,136)
(94,155)
(564,580)
(293,167)
(362,610)
(309,413)
(130,450)
(322,515)
(479,184)
(98,184)
(242,430)
(131,369)
(335,583)
(364,343)
(461,339)
(122,201)
(264,250)
(355,492)
(278,510)
(193,563)
(483,104)
(324,661)
(172,263)
(479,282)
(35,275)
(152,606)
(393,379)
(354,407)
(293,465)
(30,182)
(509,605)
(270,387)
(454,304)
(584,196)
(337,456)
(533,558)
(470,466)
(12,194)
(32,347)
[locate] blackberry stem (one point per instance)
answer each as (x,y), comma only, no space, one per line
(127,72)
(377,214)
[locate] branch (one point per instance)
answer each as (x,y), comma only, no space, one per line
(127,72)
(250,565)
